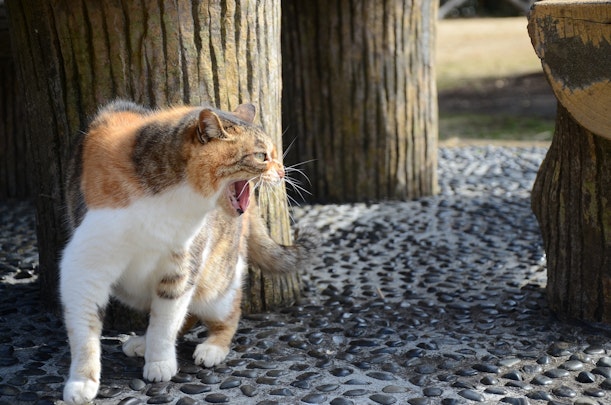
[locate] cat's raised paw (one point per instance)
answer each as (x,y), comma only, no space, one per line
(135,346)
(77,392)
(208,354)
(156,371)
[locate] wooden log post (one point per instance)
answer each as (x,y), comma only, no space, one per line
(572,193)
(13,162)
(74,56)
(359,97)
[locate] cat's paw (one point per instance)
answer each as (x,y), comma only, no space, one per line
(209,354)
(135,346)
(78,391)
(164,370)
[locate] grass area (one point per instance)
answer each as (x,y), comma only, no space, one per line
(480,48)
(470,52)
(495,127)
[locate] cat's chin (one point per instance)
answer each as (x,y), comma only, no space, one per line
(238,197)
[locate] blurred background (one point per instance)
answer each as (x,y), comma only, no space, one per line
(490,82)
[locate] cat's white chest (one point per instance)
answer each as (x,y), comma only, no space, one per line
(132,247)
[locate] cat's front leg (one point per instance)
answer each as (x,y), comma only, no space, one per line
(167,315)
(84,299)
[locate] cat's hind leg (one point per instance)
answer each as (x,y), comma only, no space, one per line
(221,329)
(135,346)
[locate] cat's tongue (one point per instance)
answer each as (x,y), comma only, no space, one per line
(242,196)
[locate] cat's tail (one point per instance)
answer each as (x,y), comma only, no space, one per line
(272,257)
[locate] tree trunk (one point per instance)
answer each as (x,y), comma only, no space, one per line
(359,97)
(73,56)
(13,162)
(572,201)
(572,193)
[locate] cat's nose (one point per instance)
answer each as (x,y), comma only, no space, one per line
(280,172)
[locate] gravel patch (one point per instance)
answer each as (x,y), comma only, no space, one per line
(436,300)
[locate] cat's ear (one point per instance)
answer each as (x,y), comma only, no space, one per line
(246,112)
(209,126)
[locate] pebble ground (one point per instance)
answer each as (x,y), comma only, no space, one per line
(440,300)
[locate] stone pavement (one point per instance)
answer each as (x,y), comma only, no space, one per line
(434,301)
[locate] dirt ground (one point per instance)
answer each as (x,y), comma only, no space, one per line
(526,95)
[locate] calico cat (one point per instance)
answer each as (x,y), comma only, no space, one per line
(162,213)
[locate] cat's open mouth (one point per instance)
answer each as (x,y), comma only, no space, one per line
(239,195)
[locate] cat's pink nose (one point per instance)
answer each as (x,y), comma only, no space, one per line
(280,172)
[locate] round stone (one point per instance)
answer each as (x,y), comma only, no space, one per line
(248,390)
(539,396)
(513,375)
(564,391)
(572,365)
(508,362)
(495,390)
(604,362)
(231,382)
(9,391)
(606,384)
(381,375)
(432,391)
(594,392)
(604,371)
(130,401)
(383,399)
(471,395)
(327,387)
(182,378)
(194,389)
(187,401)
(356,392)
(341,401)
(489,380)
(394,389)
(487,368)
(541,380)
(557,373)
(314,399)
(216,398)
(515,401)
(109,392)
(418,401)
(586,377)
(137,384)
(282,392)
(210,379)
(160,399)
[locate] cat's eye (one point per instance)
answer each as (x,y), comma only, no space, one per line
(260,156)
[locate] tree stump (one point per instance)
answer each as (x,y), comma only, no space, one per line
(572,193)
(359,97)
(157,54)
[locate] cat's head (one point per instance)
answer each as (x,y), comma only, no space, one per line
(229,153)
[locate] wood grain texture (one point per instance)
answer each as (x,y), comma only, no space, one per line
(572,201)
(75,55)
(573,40)
(359,97)
(13,163)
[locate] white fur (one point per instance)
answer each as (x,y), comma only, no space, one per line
(126,251)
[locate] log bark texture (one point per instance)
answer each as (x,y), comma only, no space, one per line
(359,97)
(572,201)
(74,56)
(572,193)
(13,163)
